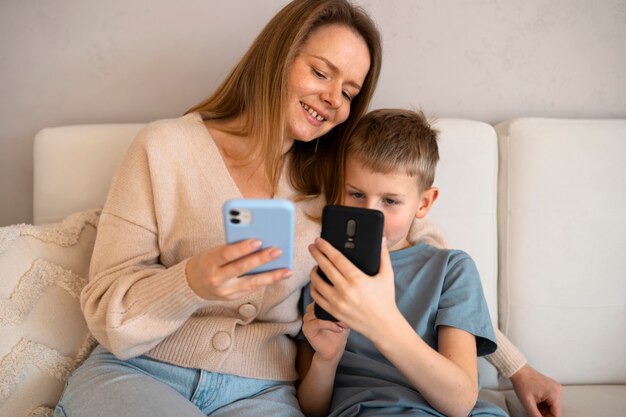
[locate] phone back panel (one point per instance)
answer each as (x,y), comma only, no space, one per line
(357,233)
(269,220)
(359,241)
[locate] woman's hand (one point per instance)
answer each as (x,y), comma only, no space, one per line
(365,304)
(327,338)
(541,396)
(215,273)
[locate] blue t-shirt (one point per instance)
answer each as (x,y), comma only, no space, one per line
(433,287)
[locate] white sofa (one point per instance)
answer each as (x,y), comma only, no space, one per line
(539,203)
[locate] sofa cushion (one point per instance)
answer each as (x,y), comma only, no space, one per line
(43,336)
(578,401)
(562,230)
(466,209)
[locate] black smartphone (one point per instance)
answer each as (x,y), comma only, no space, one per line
(358,234)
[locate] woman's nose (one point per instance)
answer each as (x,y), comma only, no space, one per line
(332,96)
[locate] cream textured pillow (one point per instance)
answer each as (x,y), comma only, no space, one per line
(43,335)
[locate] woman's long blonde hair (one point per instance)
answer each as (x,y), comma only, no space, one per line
(257,88)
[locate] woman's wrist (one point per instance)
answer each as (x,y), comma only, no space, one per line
(521,373)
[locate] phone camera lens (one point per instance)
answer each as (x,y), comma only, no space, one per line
(351,228)
(235,220)
(234,212)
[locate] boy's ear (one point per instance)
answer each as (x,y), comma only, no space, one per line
(426,202)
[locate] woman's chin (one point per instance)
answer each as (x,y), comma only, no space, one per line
(307,135)
(302,138)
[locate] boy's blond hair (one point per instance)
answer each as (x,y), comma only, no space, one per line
(388,140)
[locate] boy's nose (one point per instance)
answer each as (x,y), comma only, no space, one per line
(370,204)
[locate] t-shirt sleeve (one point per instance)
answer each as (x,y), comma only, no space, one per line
(463,305)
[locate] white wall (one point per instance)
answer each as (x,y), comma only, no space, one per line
(87,61)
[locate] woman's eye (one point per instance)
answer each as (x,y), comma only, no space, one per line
(319,74)
(347,96)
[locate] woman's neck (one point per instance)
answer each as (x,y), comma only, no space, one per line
(246,169)
(231,145)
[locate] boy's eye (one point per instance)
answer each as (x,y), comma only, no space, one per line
(390,202)
(356,195)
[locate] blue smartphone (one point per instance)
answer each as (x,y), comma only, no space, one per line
(269,220)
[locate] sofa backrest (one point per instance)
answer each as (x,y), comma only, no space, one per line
(74,166)
(562,233)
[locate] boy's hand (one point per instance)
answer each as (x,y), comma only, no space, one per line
(366,304)
(327,338)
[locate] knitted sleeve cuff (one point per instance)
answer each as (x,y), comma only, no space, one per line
(424,230)
(507,358)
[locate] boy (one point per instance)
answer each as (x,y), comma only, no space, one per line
(408,338)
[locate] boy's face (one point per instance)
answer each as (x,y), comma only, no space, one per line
(396,194)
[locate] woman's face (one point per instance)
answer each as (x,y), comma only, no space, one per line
(323,79)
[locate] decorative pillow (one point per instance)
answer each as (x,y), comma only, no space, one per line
(43,335)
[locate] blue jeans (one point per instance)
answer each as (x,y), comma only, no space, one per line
(106,386)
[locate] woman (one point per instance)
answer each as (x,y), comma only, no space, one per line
(180,332)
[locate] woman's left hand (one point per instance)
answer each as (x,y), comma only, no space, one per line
(540,395)
(364,303)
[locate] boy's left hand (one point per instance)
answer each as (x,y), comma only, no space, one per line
(365,303)
(328,339)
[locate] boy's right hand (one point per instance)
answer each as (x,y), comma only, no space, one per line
(327,338)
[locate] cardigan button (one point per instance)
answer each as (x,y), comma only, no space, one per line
(247,310)
(221,341)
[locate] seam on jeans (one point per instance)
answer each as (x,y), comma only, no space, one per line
(60,409)
(215,383)
(197,392)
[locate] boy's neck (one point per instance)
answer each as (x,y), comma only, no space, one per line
(403,244)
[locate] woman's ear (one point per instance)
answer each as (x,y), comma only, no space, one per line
(427,200)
